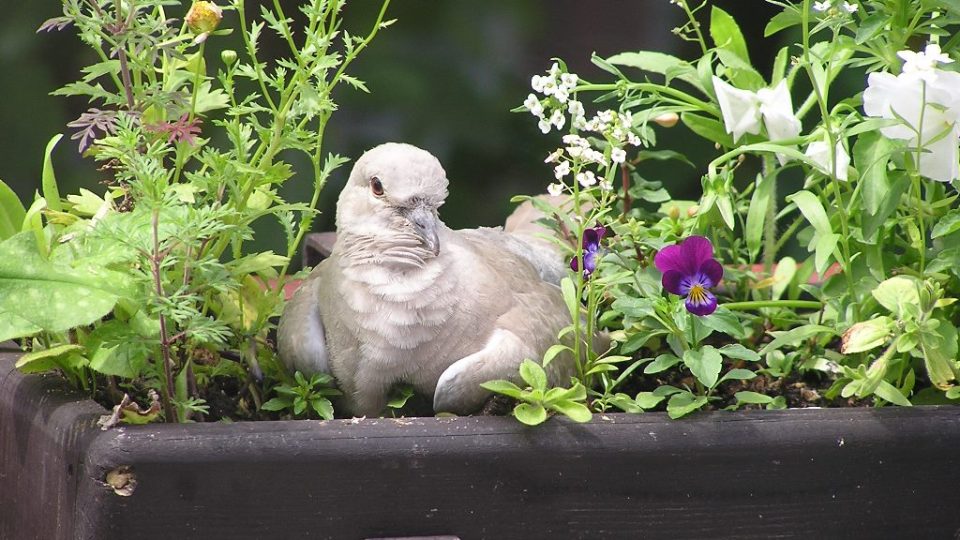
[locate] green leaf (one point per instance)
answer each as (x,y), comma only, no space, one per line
(739,352)
(705,364)
(812,209)
(752,398)
(648,400)
(948,224)
(49,179)
(707,128)
(661,363)
(871,153)
(322,407)
(684,403)
(724,320)
(501,386)
(38,295)
(533,374)
(12,212)
(552,352)
(570,297)
(783,20)
(43,360)
(783,276)
(890,393)
(895,292)
(826,245)
(795,336)
(757,213)
(726,34)
(656,62)
(530,414)
(737,375)
(940,354)
(871,27)
(578,412)
(276,404)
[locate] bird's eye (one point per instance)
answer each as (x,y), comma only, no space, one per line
(376,187)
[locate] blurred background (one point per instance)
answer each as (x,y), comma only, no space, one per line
(444,77)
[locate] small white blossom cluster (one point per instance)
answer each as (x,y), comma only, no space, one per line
(826,5)
(579,152)
(555,87)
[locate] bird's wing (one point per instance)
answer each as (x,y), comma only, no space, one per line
(545,258)
(301,338)
(528,313)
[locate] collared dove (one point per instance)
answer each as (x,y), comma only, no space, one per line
(403,298)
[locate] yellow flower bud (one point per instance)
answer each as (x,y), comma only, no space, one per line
(674,213)
(667,120)
(203,17)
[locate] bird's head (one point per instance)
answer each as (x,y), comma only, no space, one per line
(392,198)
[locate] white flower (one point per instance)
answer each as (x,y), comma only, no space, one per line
(927,109)
(819,153)
(586,179)
(569,80)
(575,140)
(821,6)
(924,63)
(553,156)
(594,156)
(554,70)
(538,82)
(577,118)
(557,118)
(555,189)
(575,151)
(544,125)
(633,139)
(534,106)
(562,94)
(742,111)
(606,186)
(561,170)
(850,8)
(618,155)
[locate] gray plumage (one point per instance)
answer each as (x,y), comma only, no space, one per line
(403,298)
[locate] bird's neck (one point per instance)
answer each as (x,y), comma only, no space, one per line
(397,252)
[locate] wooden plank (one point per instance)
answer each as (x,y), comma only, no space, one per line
(803,473)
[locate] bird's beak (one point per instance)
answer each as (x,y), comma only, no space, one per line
(425,226)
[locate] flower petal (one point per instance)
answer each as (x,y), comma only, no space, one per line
(713,271)
(696,250)
(740,109)
(673,282)
(671,258)
(941,159)
(707,306)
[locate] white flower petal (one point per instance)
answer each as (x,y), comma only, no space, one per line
(819,152)
(740,109)
(940,160)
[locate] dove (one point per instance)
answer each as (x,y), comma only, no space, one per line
(405,299)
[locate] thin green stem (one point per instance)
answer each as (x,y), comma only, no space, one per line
(751,305)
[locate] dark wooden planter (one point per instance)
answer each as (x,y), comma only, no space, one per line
(872,473)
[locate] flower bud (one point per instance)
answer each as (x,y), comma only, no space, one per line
(674,213)
(667,120)
(228,56)
(693,211)
(866,335)
(203,17)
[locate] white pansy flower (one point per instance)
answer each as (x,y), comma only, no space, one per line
(819,153)
(555,189)
(586,179)
(561,170)
(850,8)
(618,155)
(821,6)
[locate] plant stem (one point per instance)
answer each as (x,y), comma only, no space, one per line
(761,304)
(155,259)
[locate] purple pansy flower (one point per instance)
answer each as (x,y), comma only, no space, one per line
(690,270)
(591,250)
